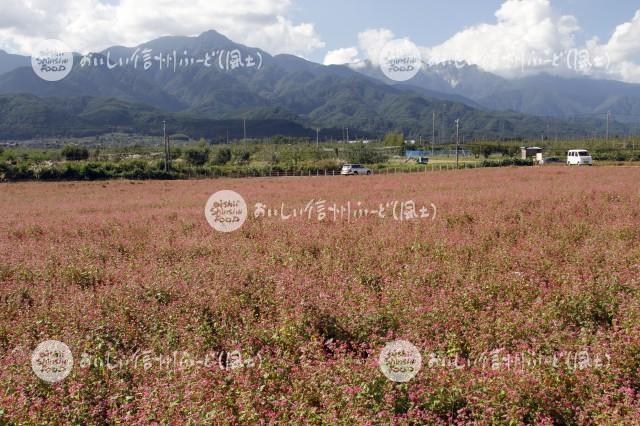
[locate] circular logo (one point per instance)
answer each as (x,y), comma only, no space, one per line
(226,211)
(52,361)
(400,361)
(400,60)
(52,60)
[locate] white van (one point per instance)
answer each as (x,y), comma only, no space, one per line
(579,157)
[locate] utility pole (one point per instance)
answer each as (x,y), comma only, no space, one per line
(457,142)
(347,135)
(433,134)
(444,134)
(166,146)
(244,127)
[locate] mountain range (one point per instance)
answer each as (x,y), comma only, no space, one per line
(542,94)
(208,84)
(10,62)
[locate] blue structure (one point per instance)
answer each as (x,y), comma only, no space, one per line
(416,154)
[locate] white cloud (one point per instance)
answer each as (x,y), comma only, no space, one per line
(526,34)
(527,37)
(372,42)
(343,56)
(92,25)
(621,54)
(625,41)
(284,36)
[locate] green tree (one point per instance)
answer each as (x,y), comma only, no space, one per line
(196,156)
(75,153)
(241,156)
(292,155)
(176,152)
(361,153)
(222,156)
(394,139)
(484,149)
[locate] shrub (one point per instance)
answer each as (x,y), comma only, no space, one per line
(196,156)
(222,156)
(16,171)
(72,172)
(75,153)
(241,156)
(95,171)
(50,173)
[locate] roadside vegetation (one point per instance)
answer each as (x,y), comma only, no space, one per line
(75,160)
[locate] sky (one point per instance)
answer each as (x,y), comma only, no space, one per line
(429,22)
(488,33)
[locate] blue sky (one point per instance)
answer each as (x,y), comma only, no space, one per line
(429,22)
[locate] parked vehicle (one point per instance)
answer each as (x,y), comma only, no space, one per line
(579,157)
(354,170)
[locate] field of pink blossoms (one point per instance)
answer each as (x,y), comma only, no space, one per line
(521,291)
